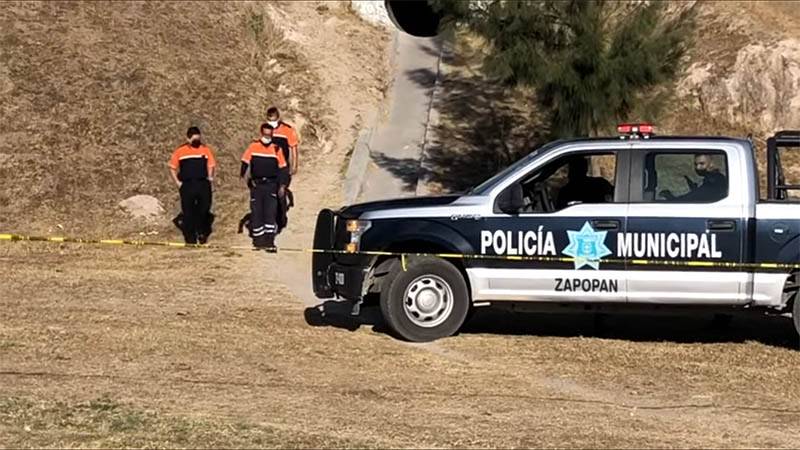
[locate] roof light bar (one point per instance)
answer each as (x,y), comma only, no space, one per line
(635,130)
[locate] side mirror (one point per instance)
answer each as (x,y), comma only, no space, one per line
(511,200)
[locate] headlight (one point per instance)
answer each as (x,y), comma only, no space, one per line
(356,228)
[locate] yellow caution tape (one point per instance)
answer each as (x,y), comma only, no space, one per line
(404,255)
(700,263)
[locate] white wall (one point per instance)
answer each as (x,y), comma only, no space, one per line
(373,11)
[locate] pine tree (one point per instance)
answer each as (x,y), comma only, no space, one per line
(591,62)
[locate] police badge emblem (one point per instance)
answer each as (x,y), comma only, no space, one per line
(587,246)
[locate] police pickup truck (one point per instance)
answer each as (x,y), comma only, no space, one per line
(633,222)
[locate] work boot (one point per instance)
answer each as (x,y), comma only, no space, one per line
(270,245)
(264,243)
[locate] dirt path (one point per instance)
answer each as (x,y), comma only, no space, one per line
(354,81)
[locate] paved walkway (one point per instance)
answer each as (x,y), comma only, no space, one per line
(396,144)
(395,147)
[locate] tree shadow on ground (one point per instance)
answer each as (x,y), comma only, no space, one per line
(432,46)
(407,170)
(482,127)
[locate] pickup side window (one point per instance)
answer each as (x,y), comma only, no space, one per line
(570,179)
(682,177)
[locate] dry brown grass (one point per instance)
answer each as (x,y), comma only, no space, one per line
(150,347)
(99,94)
(120,347)
(106,423)
(147,347)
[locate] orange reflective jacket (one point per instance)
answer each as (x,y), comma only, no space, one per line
(285,137)
(192,163)
(265,161)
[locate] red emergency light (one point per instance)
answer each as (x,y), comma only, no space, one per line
(635,130)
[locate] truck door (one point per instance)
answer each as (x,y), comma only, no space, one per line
(574,207)
(685,218)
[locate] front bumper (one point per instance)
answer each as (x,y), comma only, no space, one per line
(347,281)
(335,274)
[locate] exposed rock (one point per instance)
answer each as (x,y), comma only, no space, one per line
(142,207)
(760,90)
(372,11)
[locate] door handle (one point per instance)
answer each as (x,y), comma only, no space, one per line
(605,224)
(780,233)
(721,225)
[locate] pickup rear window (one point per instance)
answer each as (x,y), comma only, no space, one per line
(684,177)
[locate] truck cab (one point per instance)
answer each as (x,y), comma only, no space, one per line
(633,222)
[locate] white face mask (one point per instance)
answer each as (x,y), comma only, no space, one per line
(265,140)
(273,123)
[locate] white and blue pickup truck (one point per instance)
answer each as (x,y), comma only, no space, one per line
(636,222)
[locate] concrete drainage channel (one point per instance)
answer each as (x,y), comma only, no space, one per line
(359,159)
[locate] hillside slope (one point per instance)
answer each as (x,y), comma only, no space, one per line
(743,72)
(741,76)
(95,96)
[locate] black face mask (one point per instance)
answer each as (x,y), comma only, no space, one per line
(196,143)
(701,172)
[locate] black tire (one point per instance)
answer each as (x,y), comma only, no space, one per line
(470,313)
(426,276)
(721,321)
(796,316)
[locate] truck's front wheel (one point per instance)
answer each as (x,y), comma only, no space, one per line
(796,314)
(426,301)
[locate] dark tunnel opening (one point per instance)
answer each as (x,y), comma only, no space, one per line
(415,17)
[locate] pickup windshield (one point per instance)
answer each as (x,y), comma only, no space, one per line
(486,186)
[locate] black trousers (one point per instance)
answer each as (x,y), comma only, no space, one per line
(264,213)
(196,208)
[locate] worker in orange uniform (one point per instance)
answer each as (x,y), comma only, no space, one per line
(285,137)
(192,167)
(266,172)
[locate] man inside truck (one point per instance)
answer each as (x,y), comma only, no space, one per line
(714,185)
(583,188)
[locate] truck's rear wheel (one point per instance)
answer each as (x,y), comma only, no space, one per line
(425,302)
